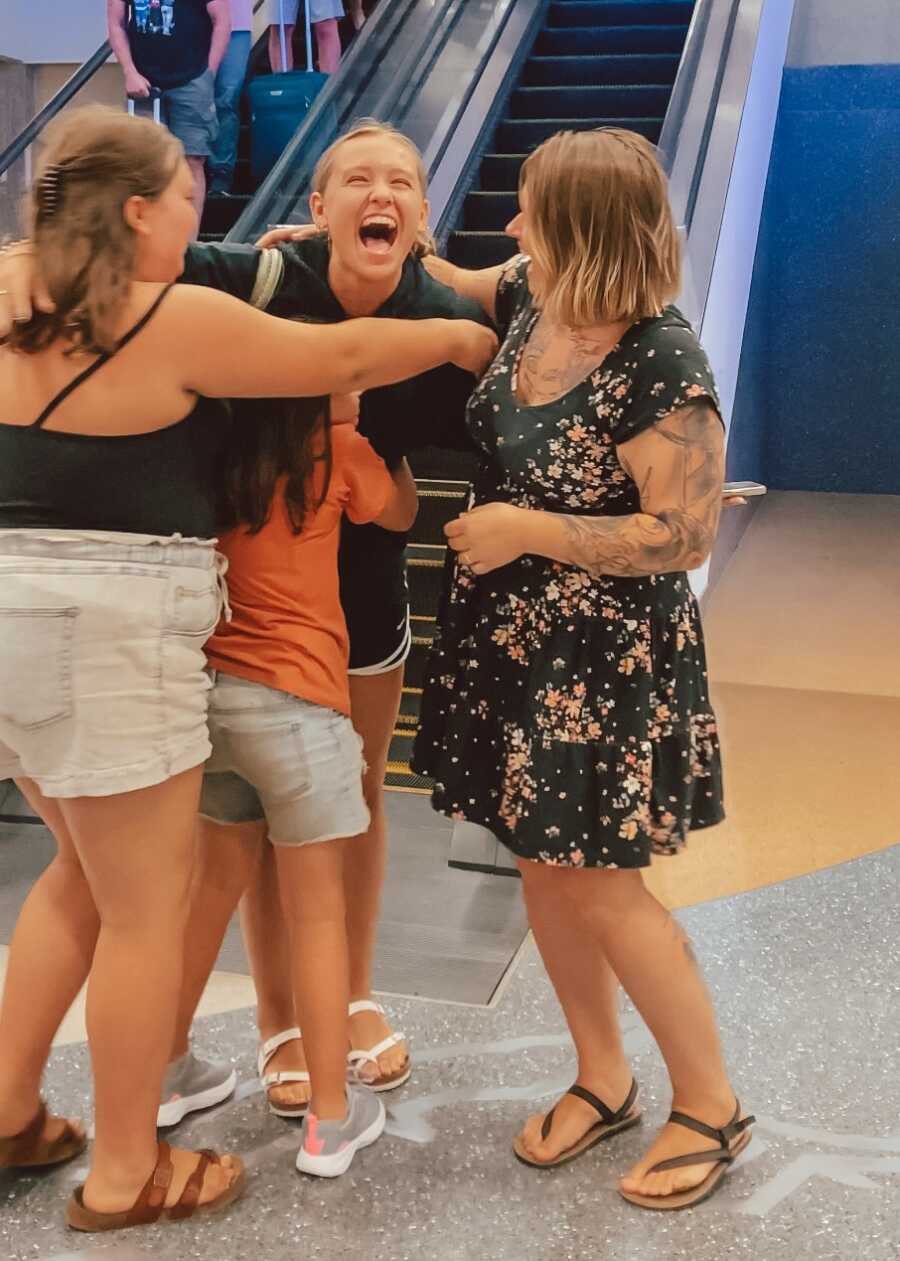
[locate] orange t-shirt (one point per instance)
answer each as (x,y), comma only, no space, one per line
(287,628)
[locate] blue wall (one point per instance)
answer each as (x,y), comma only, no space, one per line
(818,398)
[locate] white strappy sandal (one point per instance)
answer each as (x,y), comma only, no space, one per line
(356,1059)
(268,1080)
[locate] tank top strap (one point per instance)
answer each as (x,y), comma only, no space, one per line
(99,362)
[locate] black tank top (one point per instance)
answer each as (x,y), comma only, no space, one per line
(160,483)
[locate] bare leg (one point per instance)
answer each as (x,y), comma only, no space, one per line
(275,48)
(587,989)
(311,878)
(375,703)
(50,957)
(356,14)
(328,45)
(136,850)
(649,952)
(226,857)
(268,945)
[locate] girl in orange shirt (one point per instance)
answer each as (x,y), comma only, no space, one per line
(285,753)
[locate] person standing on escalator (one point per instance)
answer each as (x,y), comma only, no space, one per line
(324,16)
(229,85)
(176,47)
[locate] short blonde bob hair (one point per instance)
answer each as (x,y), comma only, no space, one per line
(371,128)
(601,228)
(93,161)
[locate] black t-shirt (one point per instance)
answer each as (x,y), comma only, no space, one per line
(170,40)
(292,281)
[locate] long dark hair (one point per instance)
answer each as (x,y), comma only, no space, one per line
(286,440)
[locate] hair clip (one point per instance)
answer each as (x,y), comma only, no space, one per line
(50,190)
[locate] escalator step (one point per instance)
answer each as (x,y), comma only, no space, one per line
(527,133)
(400,778)
(500,171)
(482,249)
(581,40)
(631,100)
(220,214)
(426,582)
(489,211)
(637,68)
(436,508)
(417,661)
(619,12)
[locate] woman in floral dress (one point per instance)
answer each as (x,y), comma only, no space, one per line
(566,706)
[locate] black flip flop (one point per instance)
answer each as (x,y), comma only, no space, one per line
(721,1158)
(610,1124)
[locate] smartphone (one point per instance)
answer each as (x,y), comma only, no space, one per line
(743,490)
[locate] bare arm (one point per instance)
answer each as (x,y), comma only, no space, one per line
(402,507)
(116,28)
(479,286)
(220,14)
(678,466)
(226,349)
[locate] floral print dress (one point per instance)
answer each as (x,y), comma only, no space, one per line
(569,714)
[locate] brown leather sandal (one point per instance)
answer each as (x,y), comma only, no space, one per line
(610,1124)
(150,1206)
(30,1149)
(721,1158)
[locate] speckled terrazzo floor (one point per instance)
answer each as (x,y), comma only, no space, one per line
(806,979)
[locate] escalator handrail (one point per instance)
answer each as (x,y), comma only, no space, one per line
(60,100)
(704,56)
(57,102)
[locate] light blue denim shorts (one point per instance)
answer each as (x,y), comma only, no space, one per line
(276,757)
(103,679)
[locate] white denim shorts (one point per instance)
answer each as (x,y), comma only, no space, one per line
(276,757)
(103,679)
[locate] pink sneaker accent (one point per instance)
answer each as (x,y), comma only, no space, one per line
(314,1145)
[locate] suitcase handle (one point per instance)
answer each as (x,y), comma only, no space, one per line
(155,98)
(308,25)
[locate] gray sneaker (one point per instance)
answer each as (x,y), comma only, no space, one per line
(190,1085)
(328,1147)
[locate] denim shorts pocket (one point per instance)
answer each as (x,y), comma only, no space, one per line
(36,666)
(194,612)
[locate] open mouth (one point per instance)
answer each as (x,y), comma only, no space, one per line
(378,234)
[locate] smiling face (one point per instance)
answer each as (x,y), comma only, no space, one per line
(372,204)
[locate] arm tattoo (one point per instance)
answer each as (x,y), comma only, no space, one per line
(680,499)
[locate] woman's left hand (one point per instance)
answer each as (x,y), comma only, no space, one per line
(488,537)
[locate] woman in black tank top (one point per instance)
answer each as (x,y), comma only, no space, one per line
(109,586)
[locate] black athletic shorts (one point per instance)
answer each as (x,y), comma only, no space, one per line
(375,597)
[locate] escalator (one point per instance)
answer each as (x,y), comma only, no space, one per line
(592,65)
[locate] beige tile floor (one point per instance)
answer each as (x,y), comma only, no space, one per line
(803,636)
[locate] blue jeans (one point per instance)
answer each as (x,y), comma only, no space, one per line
(229,84)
